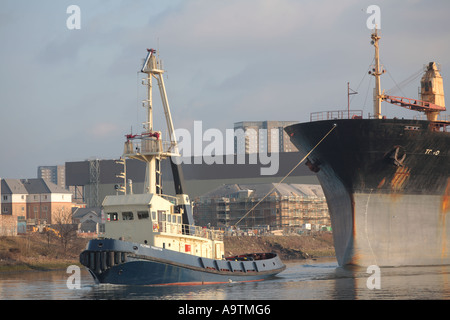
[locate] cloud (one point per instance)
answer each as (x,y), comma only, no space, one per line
(226,61)
(102,130)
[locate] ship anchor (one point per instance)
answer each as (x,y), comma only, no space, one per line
(393,155)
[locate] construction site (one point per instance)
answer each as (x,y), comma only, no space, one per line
(264,208)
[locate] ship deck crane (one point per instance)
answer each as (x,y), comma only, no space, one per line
(413,104)
(432,89)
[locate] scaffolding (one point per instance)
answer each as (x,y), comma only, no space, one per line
(275,211)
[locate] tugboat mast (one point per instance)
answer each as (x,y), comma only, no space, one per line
(148,146)
(149,102)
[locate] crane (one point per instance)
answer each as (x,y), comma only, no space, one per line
(413,104)
(432,90)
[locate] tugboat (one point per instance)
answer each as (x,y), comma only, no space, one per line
(151,238)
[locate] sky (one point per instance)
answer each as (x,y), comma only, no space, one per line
(73,94)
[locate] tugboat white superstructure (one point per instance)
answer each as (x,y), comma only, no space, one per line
(151,238)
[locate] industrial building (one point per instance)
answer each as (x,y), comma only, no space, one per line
(91,180)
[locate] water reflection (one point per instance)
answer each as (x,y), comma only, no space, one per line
(33,285)
(119,292)
(418,282)
(307,279)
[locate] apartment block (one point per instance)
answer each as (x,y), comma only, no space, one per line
(263,136)
(31,202)
(54,174)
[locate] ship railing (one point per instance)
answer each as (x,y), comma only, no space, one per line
(442,126)
(196,231)
(146,146)
(440,117)
(336,115)
(171,199)
(442,122)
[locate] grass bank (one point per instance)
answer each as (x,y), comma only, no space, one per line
(287,247)
(36,251)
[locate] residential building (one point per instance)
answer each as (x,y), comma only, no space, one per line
(13,201)
(55,174)
(34,202)
(259,137)
(89,221)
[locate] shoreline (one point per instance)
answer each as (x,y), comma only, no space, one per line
(38,252)
(40,267)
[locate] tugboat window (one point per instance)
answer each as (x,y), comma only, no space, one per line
(143,215)
(112,216)
(127,216)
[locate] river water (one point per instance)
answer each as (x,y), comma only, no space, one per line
(319,279)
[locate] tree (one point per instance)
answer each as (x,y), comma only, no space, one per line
(63,226)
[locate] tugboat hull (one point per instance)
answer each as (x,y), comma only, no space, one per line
(120,262)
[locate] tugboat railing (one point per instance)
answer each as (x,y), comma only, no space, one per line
(196,231)
(146,146)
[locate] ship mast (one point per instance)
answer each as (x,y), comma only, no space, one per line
(377,72)
(433,102)
(148,146)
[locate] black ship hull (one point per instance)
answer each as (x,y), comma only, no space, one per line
(387,187)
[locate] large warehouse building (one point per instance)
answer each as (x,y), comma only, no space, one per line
(92,180)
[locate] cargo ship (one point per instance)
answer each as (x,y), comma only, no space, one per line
(386,181)
(151,238)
